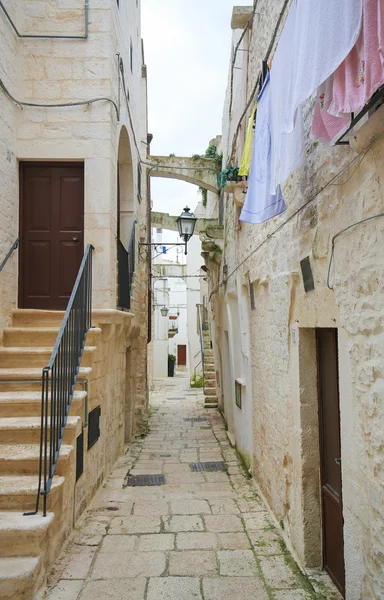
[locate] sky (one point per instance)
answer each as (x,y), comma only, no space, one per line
(187,48)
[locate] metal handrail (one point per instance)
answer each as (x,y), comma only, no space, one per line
(59,377)
(14,246)
(199,306)
(126,269)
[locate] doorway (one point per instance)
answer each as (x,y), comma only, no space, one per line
(182,355)
(51,231)
(330,455)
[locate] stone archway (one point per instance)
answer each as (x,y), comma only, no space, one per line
(125,189)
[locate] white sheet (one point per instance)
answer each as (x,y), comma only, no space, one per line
(259,204)
(287,150)
(325,31)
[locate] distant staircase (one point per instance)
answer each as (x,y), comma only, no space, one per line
(209,373)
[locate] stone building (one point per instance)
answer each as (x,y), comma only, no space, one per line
(73,142)
(296,316)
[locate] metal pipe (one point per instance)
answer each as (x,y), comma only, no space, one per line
(52,37)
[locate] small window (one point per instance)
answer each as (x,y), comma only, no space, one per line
(252,295)
(238,393)
(139,182)
(93,426)
(79,455)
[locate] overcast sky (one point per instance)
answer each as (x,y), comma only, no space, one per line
(187,48)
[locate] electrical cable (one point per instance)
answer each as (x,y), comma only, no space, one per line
(253,93)
(343,231)
(50,37)
(235,55)
(359,158)
(58,105)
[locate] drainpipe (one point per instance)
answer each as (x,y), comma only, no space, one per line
(52,37)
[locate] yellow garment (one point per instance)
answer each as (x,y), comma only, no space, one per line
(245,163)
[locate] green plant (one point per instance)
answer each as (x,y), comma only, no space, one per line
(204,195)
(171,358)
(197,381)
(172,155)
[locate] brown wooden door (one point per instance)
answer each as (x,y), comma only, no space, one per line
(181,355)
(329,418)
(52,233)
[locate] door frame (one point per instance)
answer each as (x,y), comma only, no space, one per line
(321,452)
(36,163)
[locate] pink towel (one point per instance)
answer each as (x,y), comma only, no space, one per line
(362,72)
(326,127)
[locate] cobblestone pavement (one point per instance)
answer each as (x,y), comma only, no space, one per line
(201,536)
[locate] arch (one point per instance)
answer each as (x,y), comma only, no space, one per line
(198,171)
(125,189)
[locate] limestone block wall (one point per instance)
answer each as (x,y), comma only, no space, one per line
(111,388)
(9,196)
(54,71)
(285,457)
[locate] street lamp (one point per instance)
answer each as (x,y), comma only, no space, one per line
(186,224)
(164,311)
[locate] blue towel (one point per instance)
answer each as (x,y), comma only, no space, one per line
(259,204)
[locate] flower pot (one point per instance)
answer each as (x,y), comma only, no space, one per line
(171,369)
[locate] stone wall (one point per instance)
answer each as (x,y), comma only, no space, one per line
(285,458)
(9,226)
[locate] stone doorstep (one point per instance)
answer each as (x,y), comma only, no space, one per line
(23,535)
(17,576)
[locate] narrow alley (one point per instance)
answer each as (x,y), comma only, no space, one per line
(201,535)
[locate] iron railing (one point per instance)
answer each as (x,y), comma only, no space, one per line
(200,326)
(12,249)
(126,270)
(60,375)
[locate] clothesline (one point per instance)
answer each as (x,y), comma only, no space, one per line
(345,66)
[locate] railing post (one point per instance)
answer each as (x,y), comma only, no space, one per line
(60,375)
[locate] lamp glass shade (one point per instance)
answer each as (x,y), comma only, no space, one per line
(186,223)
(164,311)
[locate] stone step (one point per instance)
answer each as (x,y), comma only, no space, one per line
(24,459)
(28,403)
(210,375)
(40,336)
(23,535)
(210,399)
(17,577)
(19,357)
(29,378)
(209,360)
(24,317)
(26,430)
(208,353)
(210,404)
(210,391)
(18,492)
(209,369)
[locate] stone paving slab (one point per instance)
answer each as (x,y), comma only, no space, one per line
(200,536)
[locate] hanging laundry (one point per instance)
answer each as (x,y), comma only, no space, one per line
(324,34)
(248,142)
(259,204)
(326,127)
(362,72)
(287,150)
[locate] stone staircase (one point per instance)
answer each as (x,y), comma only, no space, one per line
(209,373)
(28,543)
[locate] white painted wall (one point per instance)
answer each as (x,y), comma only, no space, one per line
(194,262)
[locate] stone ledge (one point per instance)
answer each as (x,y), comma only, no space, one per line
(240,16)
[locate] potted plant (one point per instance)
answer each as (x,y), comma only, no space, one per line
(171,365)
